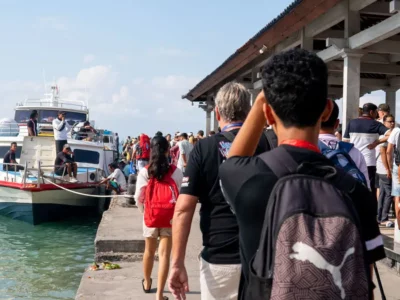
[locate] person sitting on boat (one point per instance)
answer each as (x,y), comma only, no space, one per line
(65,163)
(86,132)
(9,159)
(61,129)
(116,181)
(32,124)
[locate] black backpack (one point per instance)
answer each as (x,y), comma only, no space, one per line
(310,246)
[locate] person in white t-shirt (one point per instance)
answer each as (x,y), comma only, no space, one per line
(184,151)
(393,142)
(384,175)
(327,136)
(116,181)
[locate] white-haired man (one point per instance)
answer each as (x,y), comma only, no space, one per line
(220,267)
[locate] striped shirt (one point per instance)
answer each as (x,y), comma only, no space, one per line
(363,132)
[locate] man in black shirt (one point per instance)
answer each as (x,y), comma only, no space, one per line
(294,101)
(32,124)
(220,260)
(9,158)
(65,163)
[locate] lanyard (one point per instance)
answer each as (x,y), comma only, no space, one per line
(301,144)
(232,126)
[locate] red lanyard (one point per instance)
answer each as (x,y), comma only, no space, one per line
(301,144)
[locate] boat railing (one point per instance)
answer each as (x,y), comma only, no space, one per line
(12,169)
(56,102)
(15,168)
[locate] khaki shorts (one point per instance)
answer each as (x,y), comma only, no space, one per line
(219,282)
(155,232)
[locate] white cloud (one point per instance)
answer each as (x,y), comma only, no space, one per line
(89,58)
(52,22)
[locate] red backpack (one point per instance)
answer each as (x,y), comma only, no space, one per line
(160,201)
(143,151)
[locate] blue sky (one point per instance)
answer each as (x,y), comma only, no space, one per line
(135,58)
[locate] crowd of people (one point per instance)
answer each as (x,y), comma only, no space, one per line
(280,191)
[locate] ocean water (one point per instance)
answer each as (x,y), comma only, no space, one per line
(47,261)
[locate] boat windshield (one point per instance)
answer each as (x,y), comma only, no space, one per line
(47,116)
(86,156)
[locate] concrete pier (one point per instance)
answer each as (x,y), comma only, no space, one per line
(119,239)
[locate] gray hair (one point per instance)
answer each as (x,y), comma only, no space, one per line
(233,102)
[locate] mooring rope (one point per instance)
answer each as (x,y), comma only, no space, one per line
(78,193)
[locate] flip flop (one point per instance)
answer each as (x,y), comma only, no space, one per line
(144,290)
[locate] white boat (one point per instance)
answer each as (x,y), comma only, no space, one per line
(36,194)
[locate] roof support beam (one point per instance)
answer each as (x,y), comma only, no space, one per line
(337,66)
(376,33)
(377,8)
(395,82)
(388,47)
(366,82)
(330,18)
(356,5)
(330,53)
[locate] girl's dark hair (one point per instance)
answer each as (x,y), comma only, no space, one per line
(159,164)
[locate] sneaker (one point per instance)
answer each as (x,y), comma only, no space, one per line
(73,180)
(389,224)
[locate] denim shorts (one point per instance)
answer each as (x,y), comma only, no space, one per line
(395,182)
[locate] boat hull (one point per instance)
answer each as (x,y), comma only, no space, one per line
(37,206)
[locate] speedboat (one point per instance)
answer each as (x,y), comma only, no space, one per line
(30,191)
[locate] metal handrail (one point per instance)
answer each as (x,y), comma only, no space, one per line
(60,102)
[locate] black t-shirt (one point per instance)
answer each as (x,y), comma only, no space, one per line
(217,222)
(62,159)
(32,124)
(248,182)
(9,157)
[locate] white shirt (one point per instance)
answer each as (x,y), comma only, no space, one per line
(355,154)
(61,129)
(143,180)
(380,168)
(394,137)
(119,177)
(184,148)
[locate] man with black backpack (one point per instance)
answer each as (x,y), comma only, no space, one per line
(220,266)
(306,229)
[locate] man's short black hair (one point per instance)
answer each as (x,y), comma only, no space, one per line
(367,107)
(201,133)
(113,165)
(330,123)
(184,135)
(295,84)
(159,133)
(13,143)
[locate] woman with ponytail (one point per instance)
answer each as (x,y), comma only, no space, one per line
(157,189)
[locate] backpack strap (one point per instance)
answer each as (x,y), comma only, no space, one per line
(346,146)
(322,146)
(279,161)
(228,135)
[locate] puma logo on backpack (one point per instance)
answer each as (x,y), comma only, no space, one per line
(304,253)
(310,245)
